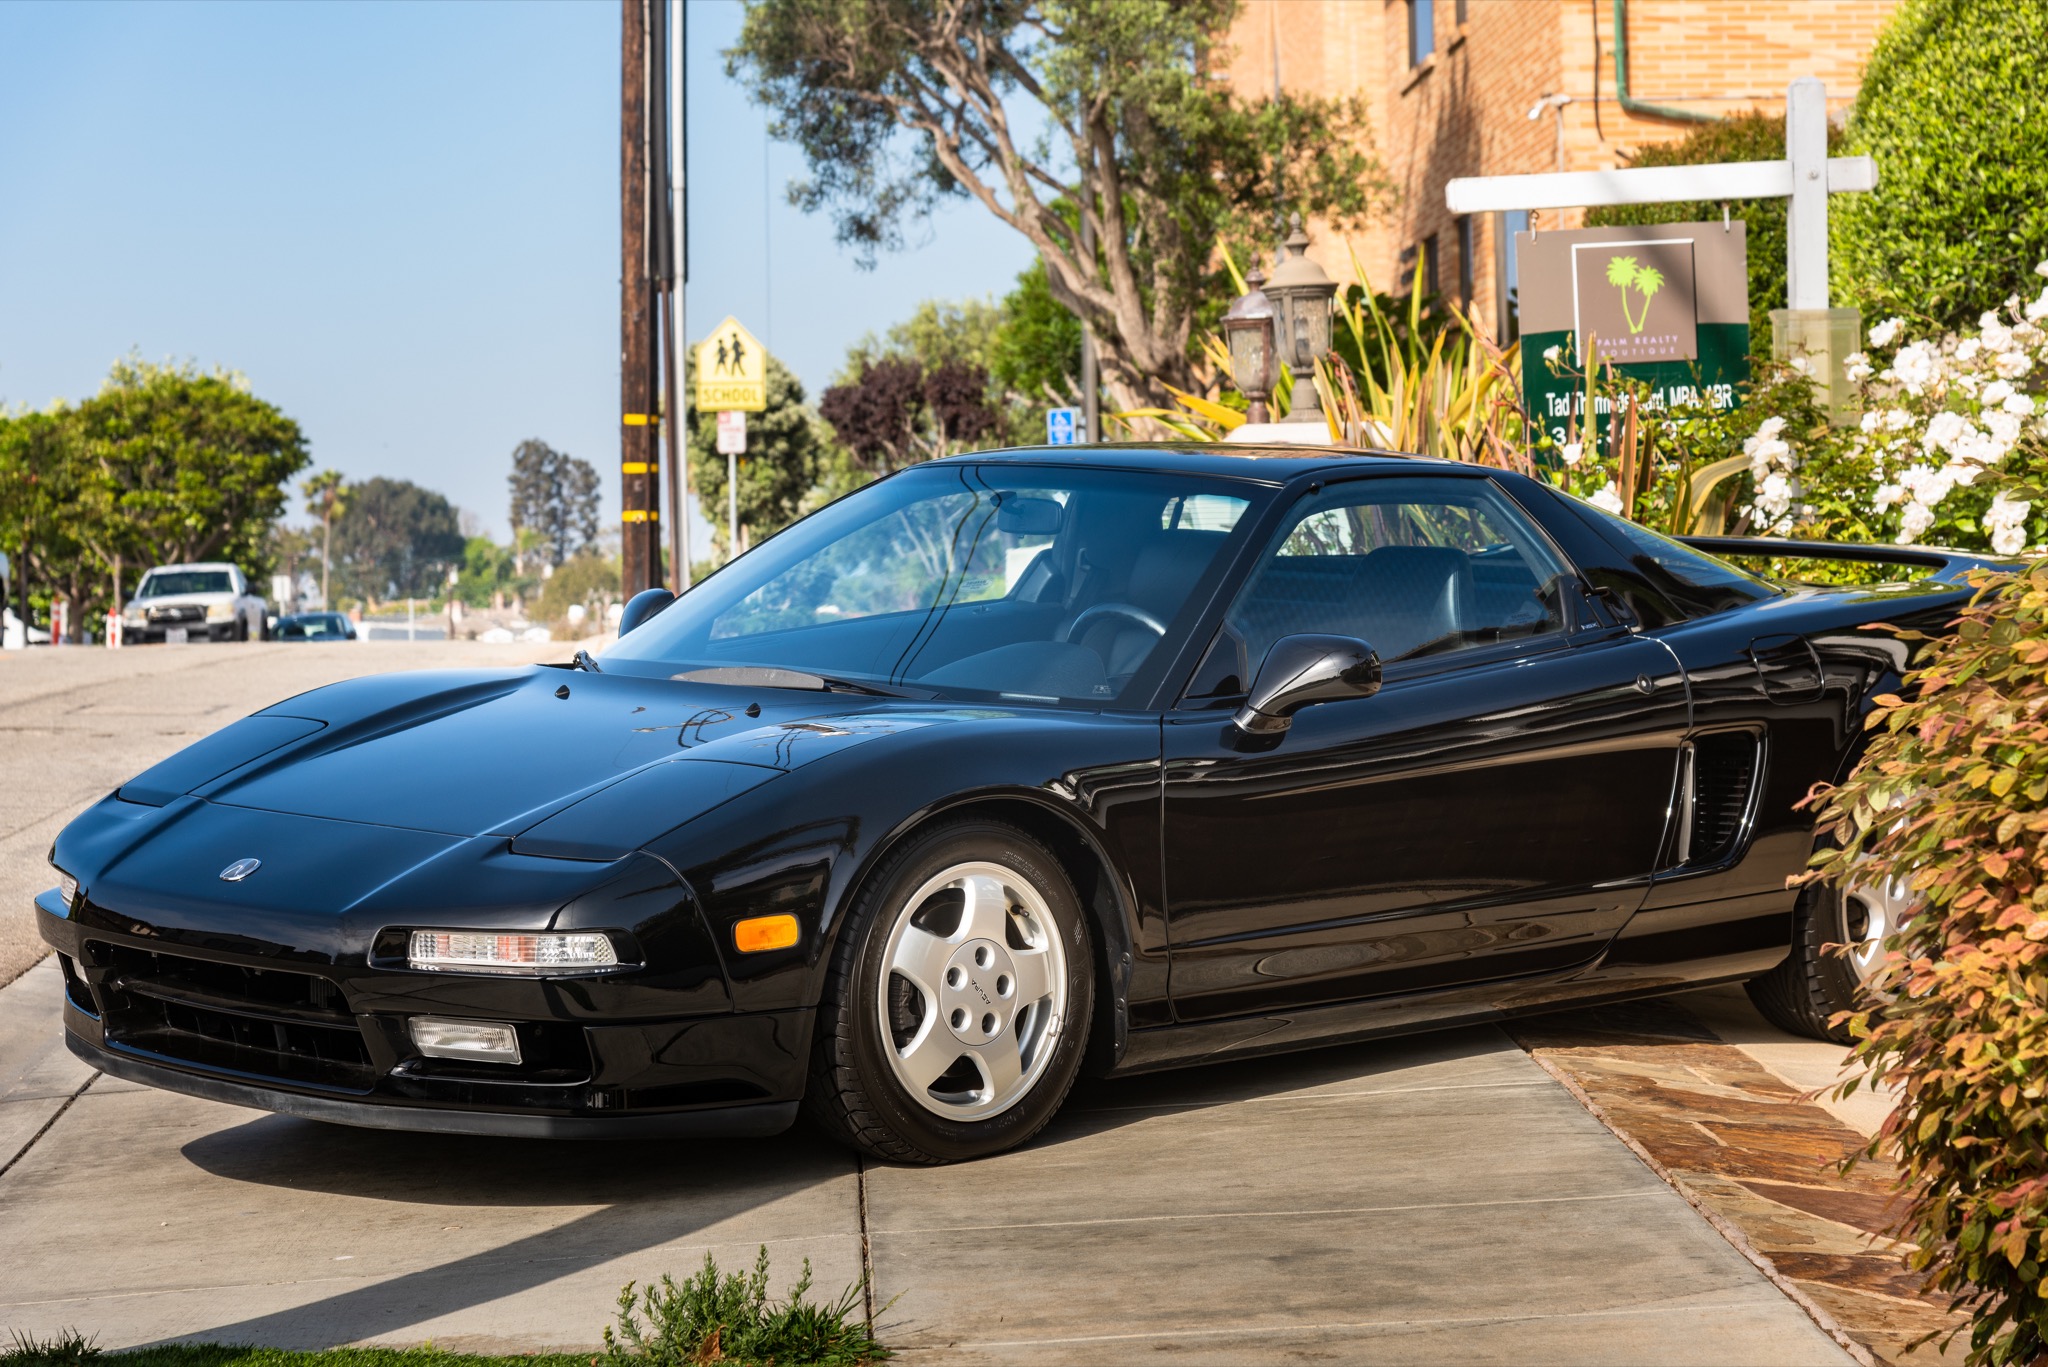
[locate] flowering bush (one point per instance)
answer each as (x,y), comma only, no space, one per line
(1938,416)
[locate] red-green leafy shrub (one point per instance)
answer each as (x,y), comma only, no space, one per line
(1953,796)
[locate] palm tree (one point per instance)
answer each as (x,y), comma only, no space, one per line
(1648,281)
(326,495)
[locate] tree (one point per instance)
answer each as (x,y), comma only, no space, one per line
(897,104)
(396,540)
(896,414)
(326,495)
(554,494)
(1951,107)
(1750,136)
(174,465)
(785,445)
(37,470)
(1036,353)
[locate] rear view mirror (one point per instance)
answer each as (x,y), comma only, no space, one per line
(1301,670)
(642,606)
(1021,515)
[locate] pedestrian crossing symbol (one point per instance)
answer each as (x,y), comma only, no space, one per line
(1061,426)
(732,371)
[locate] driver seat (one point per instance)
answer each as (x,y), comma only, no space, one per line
(1162,576)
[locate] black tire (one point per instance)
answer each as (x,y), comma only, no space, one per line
(1801,994)
(242,629)
(853,1091)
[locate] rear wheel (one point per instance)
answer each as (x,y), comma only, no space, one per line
(1819,979)
(956,1012)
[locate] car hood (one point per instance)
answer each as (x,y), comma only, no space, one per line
(182,600)
(496,752)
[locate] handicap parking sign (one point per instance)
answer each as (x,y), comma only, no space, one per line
(1062,426)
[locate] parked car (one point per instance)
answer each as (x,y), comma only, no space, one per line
(315,626)
(202,602)
(14,633)
(1010,765)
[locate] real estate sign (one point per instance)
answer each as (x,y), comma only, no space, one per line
(1666,304)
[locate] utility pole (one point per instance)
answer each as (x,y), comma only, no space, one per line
(677,317)
(639,494)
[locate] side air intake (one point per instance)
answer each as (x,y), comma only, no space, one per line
(1719,780)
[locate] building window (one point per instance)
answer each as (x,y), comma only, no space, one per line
(1467,243)
(1463,10)
(1421,30)
(1430,277)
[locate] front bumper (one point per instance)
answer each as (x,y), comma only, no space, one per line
(252,1024)
(194,632)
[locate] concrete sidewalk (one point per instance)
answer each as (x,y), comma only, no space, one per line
(1435,1199)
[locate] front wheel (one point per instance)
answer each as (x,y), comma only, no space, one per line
(957,1009)
(1837,950)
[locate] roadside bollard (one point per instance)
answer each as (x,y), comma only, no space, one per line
(113,631)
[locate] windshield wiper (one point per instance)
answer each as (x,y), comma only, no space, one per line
(766,676)
(586,663)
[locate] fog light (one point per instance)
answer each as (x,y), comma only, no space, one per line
(473,952)
(764,932)
(474,1040)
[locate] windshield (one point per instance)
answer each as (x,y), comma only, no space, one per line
(1042,584)
(165,583)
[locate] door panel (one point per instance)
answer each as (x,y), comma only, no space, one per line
(1489,820)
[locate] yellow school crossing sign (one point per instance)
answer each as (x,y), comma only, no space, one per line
(732,371)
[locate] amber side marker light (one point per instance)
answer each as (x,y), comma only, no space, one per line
(764,932)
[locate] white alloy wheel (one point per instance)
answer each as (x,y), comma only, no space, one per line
(973,992)
(1870,912)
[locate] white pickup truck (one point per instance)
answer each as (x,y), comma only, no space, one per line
(208,602)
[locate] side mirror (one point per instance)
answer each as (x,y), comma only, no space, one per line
(1300,670)
(642,607)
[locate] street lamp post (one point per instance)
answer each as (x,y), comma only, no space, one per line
(1301,292)
(1248,327)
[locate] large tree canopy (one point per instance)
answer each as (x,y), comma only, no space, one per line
(394,539)
(897,104)
(555,495)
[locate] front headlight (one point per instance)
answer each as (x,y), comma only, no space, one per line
(67,888)
(466,951)
(220,612)
(134,616)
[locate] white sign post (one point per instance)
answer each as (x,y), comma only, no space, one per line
(732,444)
(1806,177)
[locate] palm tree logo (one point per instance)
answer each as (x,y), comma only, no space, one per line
(1625,273)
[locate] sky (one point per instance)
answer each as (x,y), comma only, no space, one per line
(400,222)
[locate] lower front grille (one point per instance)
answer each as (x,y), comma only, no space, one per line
(274,1023)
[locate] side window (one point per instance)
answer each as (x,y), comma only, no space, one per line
(1414,567)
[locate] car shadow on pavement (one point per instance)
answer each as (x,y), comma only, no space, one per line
(646,1195)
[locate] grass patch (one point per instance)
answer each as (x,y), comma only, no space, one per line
(712,1317)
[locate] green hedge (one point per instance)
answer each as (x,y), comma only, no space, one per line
(1954,107)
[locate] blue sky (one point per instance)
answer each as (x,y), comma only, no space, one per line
(400,221)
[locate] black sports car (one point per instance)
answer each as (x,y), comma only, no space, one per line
(1006,766)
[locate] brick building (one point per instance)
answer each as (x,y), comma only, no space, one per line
(1509,87)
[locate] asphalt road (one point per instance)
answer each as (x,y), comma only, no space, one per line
(77,721)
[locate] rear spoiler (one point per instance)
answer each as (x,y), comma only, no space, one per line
(1942,564)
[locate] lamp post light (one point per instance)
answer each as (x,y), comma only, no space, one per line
(1301,292)
(1248,327)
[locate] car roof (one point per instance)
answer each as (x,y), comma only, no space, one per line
(195,565)
(1274,464)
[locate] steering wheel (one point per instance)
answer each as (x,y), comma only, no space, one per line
(1124,610)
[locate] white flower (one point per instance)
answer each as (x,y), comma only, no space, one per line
(1897,420)
(2041,268)
(1872,420)
(1572,452)
(2004,426)
(1551,353)
(1944,431)
(1997,336)
(1770,428)
(1928,487)
(1996,391)
(1858,370)
(1882,334)
(1607,499)
(2010,365)
(1915,520)
(1914,366)
(2019,405)
(1887,495)
(2007,522)
(2038,309)
(1968,348)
